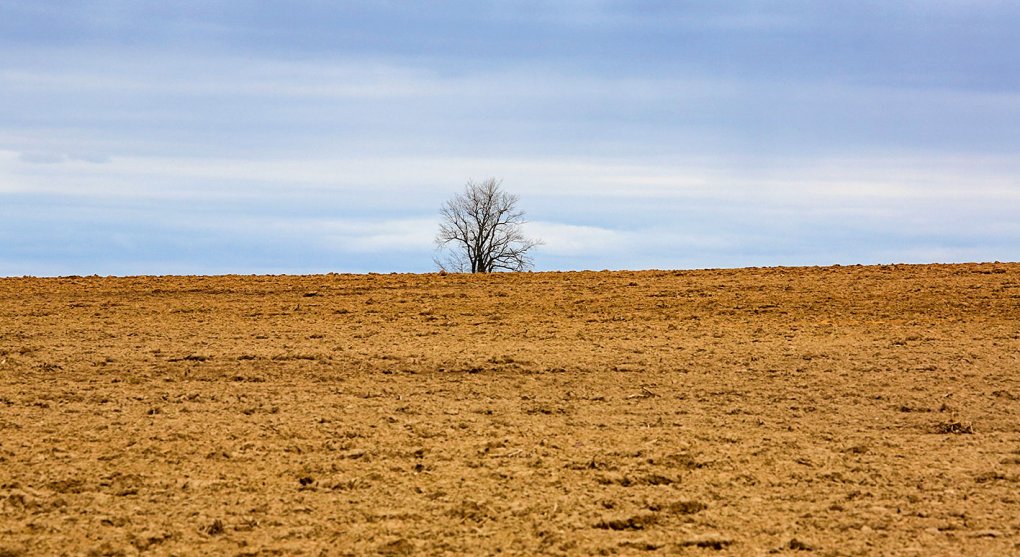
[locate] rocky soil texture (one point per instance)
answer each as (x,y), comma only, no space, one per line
(807,411)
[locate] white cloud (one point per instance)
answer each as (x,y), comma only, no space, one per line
(343,234)
(391,235)
(820,184)
(569,239)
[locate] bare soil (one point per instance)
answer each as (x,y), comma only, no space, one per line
(791,411)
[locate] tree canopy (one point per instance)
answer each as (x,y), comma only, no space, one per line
(480,231)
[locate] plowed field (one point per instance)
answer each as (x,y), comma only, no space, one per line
(808,411)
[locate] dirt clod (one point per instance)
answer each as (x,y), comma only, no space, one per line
(215,528)
(799,545)
(708,541)
(954,428)
(636,522)
(396,548)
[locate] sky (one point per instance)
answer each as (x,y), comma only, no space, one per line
(309,136)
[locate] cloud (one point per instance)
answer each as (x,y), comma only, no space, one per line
(360,215)
(44,157)
(129,104)
(392,235)
(591,246)
(821,185)
(339,233)
(568,239)
(636,134)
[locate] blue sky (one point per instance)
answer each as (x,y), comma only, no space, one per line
(151,137)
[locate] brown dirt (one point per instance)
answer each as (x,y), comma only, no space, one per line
(821,411)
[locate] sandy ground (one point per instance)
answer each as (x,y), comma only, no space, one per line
(821,411)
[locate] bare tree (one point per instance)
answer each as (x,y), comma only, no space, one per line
(481,232)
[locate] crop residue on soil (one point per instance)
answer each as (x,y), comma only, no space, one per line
(825,411)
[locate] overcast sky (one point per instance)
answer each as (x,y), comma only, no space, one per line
(155,137)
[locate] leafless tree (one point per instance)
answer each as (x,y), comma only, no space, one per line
(481,232)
